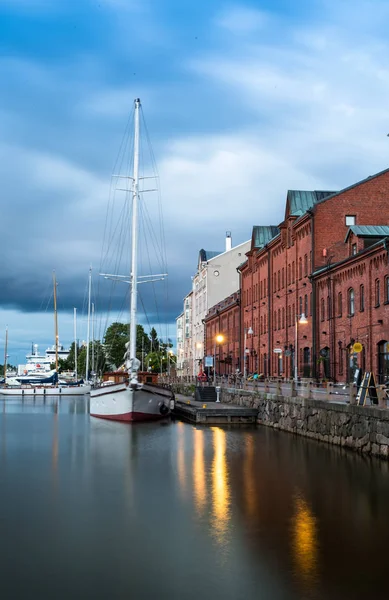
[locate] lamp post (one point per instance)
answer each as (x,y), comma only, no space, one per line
(249,331)
(218,340)
(302,320)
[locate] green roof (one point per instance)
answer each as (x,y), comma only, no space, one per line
(262,234)
(299,201)
(208,254)
(375,231)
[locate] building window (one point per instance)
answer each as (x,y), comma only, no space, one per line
(353,249)
(300,306)
(322,309)
(300,268)
(292,271)
(361,298)
(351,302)
(288,274)
(279,280)
(350,220)
(305,265)
(306,305)
(283,277)
(377,292)
(310,304)
(386,289)
(340,303)
(283,318)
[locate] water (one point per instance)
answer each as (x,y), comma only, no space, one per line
(95,509)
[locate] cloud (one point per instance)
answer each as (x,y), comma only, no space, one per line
(242,20)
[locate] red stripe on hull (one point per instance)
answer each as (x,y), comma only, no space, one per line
(131,417)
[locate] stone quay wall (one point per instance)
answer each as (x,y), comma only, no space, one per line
(361,428)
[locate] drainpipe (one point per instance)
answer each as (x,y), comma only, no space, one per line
(313,306)
(269,320)
(240,317)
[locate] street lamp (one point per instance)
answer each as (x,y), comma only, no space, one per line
(218,340)
(302,320)
(249,331)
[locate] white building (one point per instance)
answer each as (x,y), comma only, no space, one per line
(180,320)
(216,278)
(187,365)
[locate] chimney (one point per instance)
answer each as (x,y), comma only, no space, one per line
(228,241)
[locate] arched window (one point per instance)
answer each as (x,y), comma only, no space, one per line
(283,277)
(306,305)
(300,305)
(351,302)
(279,319)
(261,329)
(377,292)
(361,298)
(340,304)
(322,309)
(300,268)
(283,318)
(387,288)
(305,265)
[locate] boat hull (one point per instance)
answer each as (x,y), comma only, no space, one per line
(61,390)
(119,402)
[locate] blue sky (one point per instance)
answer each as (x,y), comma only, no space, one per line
(243,100)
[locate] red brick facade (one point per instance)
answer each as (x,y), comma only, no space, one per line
(315,258)
(224,319)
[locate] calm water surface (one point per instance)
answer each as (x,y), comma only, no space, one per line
(94,509)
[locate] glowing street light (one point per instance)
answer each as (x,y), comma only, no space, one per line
(300,320)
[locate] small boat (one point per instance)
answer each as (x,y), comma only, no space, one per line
(129,395)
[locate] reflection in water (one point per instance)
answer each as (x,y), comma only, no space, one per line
(220,485)
(181,457)
(250,494)
(305,546)
(199,481)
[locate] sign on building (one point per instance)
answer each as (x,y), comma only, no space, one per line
(208,361)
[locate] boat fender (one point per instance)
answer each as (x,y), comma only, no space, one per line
(163,409)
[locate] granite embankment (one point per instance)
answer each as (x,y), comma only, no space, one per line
(361,428)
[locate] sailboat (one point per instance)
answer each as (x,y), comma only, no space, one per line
(130,395)
(47,383)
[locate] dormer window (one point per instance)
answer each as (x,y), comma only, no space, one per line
(350,220)
(353,249)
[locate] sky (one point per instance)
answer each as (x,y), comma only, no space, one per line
(243,101)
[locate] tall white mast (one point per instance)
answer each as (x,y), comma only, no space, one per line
(75,342)
(55,321)
(93,337)
(88,327)
(134,246)
(5,354)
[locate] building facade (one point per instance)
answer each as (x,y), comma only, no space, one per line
(287,273)
(180,329)
(216,278)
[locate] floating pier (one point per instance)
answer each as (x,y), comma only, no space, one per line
(212,413)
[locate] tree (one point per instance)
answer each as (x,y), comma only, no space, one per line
(97,350)
(115,340)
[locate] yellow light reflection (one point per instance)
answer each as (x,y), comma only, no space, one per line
(220,484)
(248,476)
(305,544)
(181,457)
(200,489)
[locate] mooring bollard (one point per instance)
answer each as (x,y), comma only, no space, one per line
(353,393)
(217,388)
(381,393)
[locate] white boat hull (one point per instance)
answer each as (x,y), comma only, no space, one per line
(61,390)
(120,402)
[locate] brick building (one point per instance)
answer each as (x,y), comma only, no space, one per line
(224,319)
(326,240)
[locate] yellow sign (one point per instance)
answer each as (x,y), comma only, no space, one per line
(357,347)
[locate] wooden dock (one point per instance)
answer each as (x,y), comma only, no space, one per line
(212,413)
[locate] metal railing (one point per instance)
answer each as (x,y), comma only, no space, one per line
(304,388)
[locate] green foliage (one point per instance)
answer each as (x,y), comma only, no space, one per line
(115,340)
(96,352)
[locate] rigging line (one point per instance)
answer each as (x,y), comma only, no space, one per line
(119,154)
(155,167)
